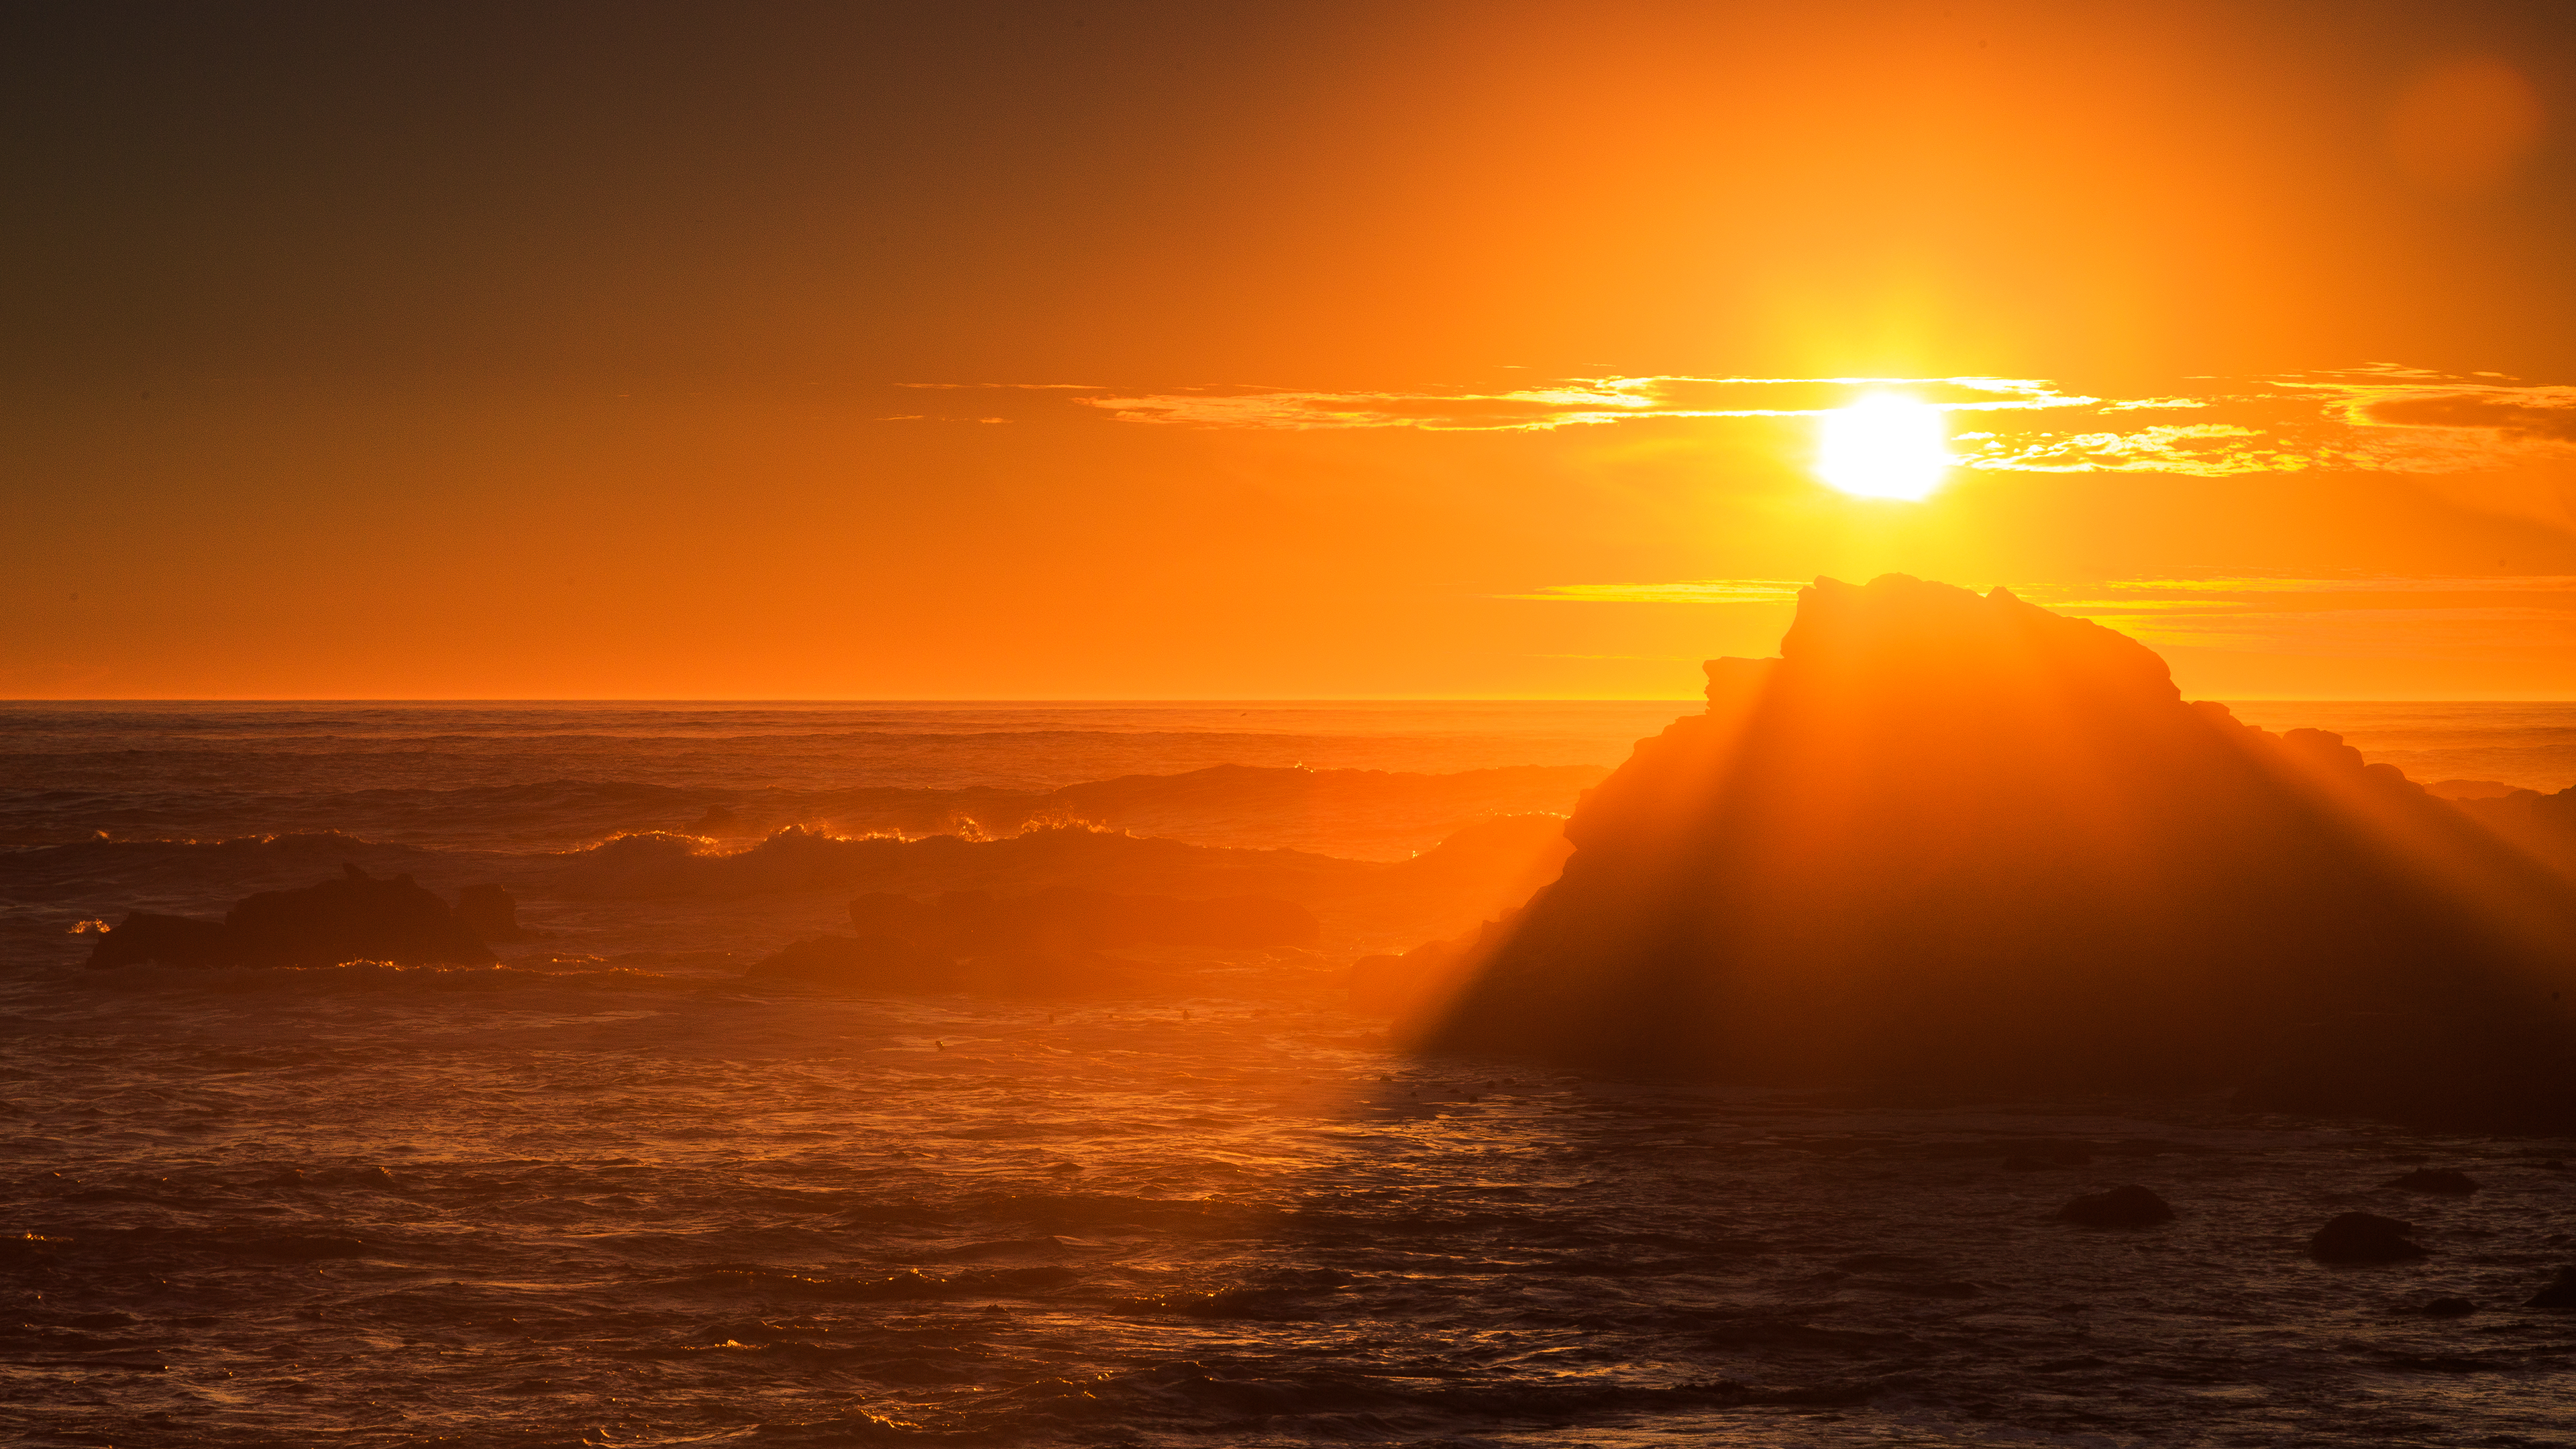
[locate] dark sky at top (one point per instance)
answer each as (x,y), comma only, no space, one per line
(799,192)
(569,348)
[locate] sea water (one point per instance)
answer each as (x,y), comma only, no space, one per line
(614,1192)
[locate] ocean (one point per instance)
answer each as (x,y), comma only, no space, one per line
(616,1191)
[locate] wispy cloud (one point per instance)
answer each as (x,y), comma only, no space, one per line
(1573,403)
(2356,584)
(2384,417)
(2141,404)
(2208,449)
(2412,420)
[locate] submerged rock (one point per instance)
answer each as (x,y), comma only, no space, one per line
(2131,1206)
(356,917)
(490,912)
(170,940)
(2365,1238)
(1961,842)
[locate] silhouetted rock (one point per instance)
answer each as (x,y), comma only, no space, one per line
(169,940)
(2561,1292)
(490,912)
(1423,980)
(1439,892)
(2121,1207)
(1961,842)
(2449,1308)
(357,917)
(2436,1179)
(2364,1238)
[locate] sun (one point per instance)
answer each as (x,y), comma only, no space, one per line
(1883,446)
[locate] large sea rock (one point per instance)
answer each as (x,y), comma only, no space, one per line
(1957,840)
(352,917)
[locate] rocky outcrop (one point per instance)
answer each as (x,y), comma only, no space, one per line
(491,913)
(149,936)
(357,917)
(2365,1238)
(1957,840)
(1479,870)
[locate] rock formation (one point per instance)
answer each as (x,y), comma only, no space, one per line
(491,913)
(1958,840)
(2365,1238)
(356,917)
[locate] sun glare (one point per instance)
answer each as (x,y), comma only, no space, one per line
(1883,446)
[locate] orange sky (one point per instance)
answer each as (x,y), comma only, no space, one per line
(1176,350)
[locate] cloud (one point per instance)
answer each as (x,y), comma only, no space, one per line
(2384,417)
(2358,584)
(2209,450)
(1573,402)
(2545,414)
(2410,419)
